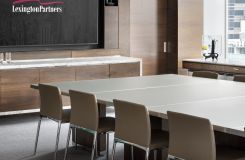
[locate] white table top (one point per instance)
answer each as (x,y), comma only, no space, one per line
(223,102)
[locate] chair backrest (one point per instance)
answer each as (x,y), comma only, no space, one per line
(51,101)
(84,110)
(239,78)
(205,74)
(132,123)
(191,137)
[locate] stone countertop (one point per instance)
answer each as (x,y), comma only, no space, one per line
(59,62)
(237,63)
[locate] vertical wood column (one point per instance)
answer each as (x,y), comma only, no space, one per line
(124,26)
(190,29)
(111,27)
(172,36)
(148,26)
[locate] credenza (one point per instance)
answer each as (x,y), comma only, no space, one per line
(17,77)
(220,66)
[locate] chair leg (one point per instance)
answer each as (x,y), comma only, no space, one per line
(68,141)
(97,153)
(76,138)
(94,146)
(37,135)
(107,146)
(113,150)
(57,140)
(155,154)
(147,152)
(132,152)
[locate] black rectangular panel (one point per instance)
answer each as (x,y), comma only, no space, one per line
(48,24)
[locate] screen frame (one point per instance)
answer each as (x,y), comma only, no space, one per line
(56,47)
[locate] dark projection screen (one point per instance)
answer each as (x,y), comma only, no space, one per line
(48,23)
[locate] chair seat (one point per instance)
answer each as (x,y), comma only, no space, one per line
(159,139)
(106,124)
(66,115)
(228,153)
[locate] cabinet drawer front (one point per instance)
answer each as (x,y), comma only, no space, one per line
(213,67)
(234,69)
(192,66)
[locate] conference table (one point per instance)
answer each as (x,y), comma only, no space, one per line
(221,101)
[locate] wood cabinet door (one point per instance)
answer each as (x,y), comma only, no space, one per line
(92,72)
(15,91)
(124,70)
(57,74)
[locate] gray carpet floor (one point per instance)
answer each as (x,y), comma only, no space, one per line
(17,137)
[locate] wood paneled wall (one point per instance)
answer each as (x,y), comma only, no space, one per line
(190,29)
(142,31)
(148,23)
(40,55)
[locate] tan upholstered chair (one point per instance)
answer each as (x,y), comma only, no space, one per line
(52,108)
(205,74)
(85,116)
(192,138)
(239,78)
(133,127)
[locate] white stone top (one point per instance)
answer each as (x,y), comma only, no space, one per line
(59,62)
(238,63)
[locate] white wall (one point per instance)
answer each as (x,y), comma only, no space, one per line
(214,19)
